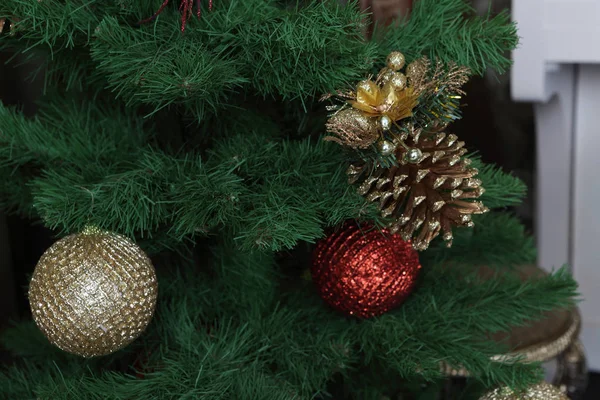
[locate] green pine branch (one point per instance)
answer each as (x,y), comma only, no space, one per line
(498,239)
(89,164)
(501,189)
(450,30)
(254,46)
(250,178)
(201,342)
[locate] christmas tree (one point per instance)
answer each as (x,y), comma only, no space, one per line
(222,142)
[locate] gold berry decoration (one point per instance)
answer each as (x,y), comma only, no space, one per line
(395,61)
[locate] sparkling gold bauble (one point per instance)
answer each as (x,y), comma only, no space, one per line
(398,80)
(368,87)
(416,68)
(541,391)
(93,293)
(385,75)
(395,61)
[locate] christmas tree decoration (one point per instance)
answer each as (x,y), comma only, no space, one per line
(384,101)
(364,272)
(431,189)
(540,391)
(396,61)
(93,293)
(415,171)
(186,9)
(553,338)
(205,144)
(352,128)
(439,88)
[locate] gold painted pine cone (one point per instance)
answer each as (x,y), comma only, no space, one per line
(424,196)
(93,293)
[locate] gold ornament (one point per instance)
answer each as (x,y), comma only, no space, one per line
(398,80)
(426,79)
(413,156)
(553,337)
(93,293)
(386,148)
(418,69)
(430,190)
(386,123)
(395,61)
(352,128)
(385,75)
(541,391)
(376,101)
(377,106)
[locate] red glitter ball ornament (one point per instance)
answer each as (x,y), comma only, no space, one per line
(363,271)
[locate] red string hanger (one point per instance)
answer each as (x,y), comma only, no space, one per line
(186,9)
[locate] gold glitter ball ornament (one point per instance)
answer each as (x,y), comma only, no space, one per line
(398,81)
(93,293)
(417,68)
(541,391)
(395,61)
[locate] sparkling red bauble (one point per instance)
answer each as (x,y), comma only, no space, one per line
(363,271)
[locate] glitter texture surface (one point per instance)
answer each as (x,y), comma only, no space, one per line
(364,272)
(395,61)
(93,293)
(426,187)
(351,127)
(541,391)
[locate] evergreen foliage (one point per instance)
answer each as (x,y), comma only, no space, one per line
(213,138)
(220,341)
